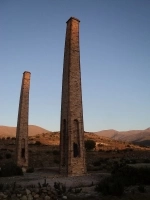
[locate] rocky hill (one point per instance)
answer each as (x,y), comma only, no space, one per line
(141,137)
(7,131)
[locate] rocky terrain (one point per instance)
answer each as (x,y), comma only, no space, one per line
(141,137)
(44,158)
(8,131)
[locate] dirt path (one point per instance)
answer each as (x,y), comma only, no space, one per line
(52,176)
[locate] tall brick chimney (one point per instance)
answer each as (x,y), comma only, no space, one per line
(72,151)
(22,125)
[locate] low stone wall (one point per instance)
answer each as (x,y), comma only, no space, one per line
(27,193)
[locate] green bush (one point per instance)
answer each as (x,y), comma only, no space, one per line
(100,161)
(45,184)
(48,152)
(8,155)
(89,144)
(30,170)
(97,163)
(124,176)
(141,189)
(77,190)
(56,161)
(116,166)
(146,160)
(10,169)
(60,188)
(133,161)
(109,186)
(37,143)
(133,176)
(56,152)
(1,186)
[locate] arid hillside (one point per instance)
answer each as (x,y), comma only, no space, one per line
(141,137)
(44,149)
(7,131)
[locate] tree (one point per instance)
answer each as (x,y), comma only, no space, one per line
(37,143)
(90,144)
(10,169)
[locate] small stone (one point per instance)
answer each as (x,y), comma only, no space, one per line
(36,196)
(49,193)
(1,194)
(49,188)
(36,190)
(28,191)
(33,193)
(19,195)
(23,192)
(24,169)
(13,196)
(44,190)
(24,197)
(47,198)
(7,192)
(30,197)
(42,195)
(64,197)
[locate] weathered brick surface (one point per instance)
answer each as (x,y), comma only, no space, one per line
(22,124)
(72,152)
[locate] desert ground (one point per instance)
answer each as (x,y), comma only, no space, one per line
(44,159)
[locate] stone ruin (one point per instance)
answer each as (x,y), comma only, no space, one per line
(72,159)
(72,151)
(22,124)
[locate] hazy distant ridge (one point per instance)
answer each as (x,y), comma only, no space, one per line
(8,131)
(138,136)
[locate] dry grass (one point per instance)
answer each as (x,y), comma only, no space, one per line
(6,131)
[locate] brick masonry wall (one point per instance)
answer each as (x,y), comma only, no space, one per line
(71,107)
(22,124)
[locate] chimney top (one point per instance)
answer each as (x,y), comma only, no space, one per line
(73,18)
(26,72)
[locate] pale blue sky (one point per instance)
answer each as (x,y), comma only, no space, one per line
(115,60)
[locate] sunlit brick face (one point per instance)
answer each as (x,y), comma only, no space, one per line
(72,152)
(22,124)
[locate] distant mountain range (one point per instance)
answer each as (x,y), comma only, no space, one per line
(8,131)
(135,136)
